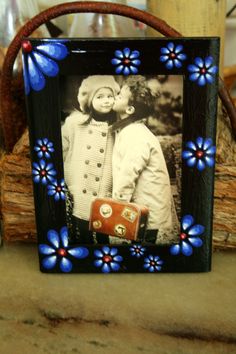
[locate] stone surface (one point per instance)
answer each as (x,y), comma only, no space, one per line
(149,313)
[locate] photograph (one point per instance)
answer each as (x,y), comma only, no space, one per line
(121,140)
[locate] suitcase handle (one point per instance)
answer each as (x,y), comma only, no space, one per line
(9,133)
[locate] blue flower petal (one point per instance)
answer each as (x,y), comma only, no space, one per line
(64,236)
(42,164)
(165,51)
(119,54)
(114,266)
(116,61)
(53,238)
(210,161)
(193,69)
(106,268)
(191,161)
(37,179)
(126,52)
(98,263)
(175,249)
(199,62)
(195,241)
(133,69)
(146,265)
(211,150)
(208,61)
(136,62)
(26,79)
(202,80)
(79,252)
(186,249)
(106,250)
(187,221)
(126,70)
(164,58)
(44,180)
(207,143)
(151,269)
(191,145)
(209,78)
(178,48)
(98,253)
(45,249)
(200,142)
(186,154)
(135,54)
(118,258)
(46,65)
(200,165)
(194,77)
(49,262)
(181,56)
(57,196)
(177,63)
(36,78)
(169,64)
(171,46)
(113,251)
(54,50)
(65,265)
(196,230)
(119,69)
(213,70)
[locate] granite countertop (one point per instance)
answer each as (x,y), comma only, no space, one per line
(87,313)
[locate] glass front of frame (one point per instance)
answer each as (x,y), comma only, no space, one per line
(122,139)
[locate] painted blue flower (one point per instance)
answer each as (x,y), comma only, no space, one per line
(40,61)
(108,259)
(137,250)
(188,237)
(172,55)
(202,71)
(43,172)
(44,148)
(58,251)
(201,153)
(153,263)
(126,61)
(57,189)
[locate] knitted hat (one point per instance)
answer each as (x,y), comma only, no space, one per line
(91,85)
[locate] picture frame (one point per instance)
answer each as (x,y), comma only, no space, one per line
(50,66)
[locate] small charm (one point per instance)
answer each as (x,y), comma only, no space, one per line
(129,214)
(106,210)
(97,224)
(120,230)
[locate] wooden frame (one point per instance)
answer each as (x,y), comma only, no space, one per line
(46,62)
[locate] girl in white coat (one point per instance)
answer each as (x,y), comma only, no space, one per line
(87,151)
(139,169)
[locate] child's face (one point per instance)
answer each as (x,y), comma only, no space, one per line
(103,100)
(122,100)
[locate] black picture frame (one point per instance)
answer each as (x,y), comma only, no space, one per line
(46,62)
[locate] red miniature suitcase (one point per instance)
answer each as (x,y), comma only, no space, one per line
(117,218)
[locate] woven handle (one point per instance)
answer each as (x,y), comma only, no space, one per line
(79,7)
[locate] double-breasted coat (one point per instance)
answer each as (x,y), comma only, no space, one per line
(87,154)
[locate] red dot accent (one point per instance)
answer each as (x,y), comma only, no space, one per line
(44,148)
(183,236)
(58,189)
(27,46)
(62,252)
(107,259)
(127,61)
(43,172)
(199,153)
(203,71)
(172,55)
(152,263)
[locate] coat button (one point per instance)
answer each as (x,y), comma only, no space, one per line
(87,162)
(101,150)
(97,179)
(85,176)
(88,147)
(95,194)
(104,134)
(84,191)
(99,164)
